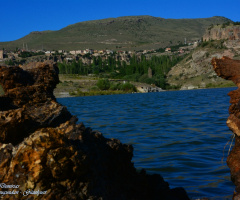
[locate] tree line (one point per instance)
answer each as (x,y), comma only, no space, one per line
(139,68)
(26,54)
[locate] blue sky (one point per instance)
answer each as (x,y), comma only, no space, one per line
(20,17)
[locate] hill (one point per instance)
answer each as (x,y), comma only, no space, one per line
(122,33)
(196,71)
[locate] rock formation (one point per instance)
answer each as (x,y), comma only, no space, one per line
(44,154)
(230,70)
(218,33)
(196,71)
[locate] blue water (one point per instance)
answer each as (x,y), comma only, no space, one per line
(178,134)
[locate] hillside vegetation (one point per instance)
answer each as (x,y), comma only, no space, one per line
(196,71)
(123,33)
(139,69)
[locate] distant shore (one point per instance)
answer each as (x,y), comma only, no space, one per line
(73,86)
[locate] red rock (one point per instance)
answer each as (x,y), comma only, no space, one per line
(230,70)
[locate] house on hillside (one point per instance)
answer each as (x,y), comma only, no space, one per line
(79,52)
(168,49)
(101,51)
(72,52)
(109,52)
(88,51)
(145,51)
(48,53)
(96,54)
(180,51)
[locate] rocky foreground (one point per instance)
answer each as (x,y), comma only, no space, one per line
(44,154)
(230,70)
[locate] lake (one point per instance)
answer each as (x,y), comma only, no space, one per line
(181,135)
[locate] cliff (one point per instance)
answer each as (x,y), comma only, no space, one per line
(44,154)
(230,70)
(219,33)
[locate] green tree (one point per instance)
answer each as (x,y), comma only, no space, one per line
(103,84)
(128,87)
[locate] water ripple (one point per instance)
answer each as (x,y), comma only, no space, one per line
(180,135)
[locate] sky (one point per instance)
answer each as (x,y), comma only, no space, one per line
(20,17)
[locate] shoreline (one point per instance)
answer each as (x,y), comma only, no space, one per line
(64,94)
(81,86)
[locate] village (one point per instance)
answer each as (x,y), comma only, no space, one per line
(24,55)
(88,58)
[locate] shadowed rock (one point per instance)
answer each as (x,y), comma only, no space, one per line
(230,70)
(28,102)
(43,150)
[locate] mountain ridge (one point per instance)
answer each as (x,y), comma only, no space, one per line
(122,33)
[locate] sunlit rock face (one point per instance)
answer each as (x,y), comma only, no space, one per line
(45,154)
(218,33)
(230,70)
